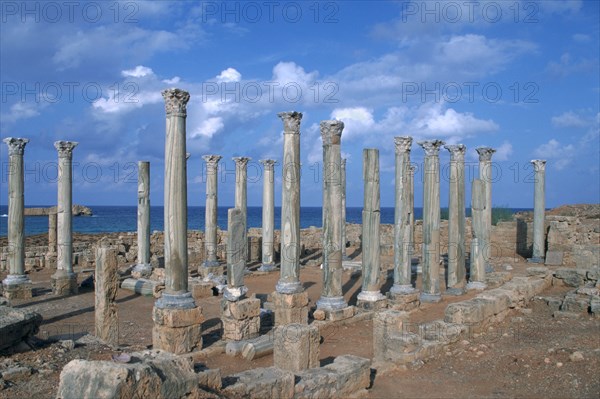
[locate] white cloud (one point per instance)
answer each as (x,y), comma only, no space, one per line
(503,152)
(229,75)
(172,81)
(21,110)
(137,72)
(581,38)
(569,119)
(557,154)
(357,121)
(208,128)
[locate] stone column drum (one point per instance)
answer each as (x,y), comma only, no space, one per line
(411,206)
(485,175)
(268,216)
(332,298)
(344,237)
(17,284)
(177,320)
(241,194)
(106,286)
(64,281)
(51,254)
(479,226)
(370,296)
(430,291)
(290,300)
(211,266)
(143,267)
(539,210)
(456,221)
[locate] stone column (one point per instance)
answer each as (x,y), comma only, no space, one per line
(51,254)
(211,266)
(143,266)
(290,299)
(485,175)
(411,207)
(64,281)
(236,260)
(456,221)
(370,296)
(431,222)
(17,284)
(268,216)
(344,237)
(106,285)
(332,298)
(241,194)
(402,226)
(539,210)
(177,320)
(479,226)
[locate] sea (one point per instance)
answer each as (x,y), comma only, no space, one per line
(108,219)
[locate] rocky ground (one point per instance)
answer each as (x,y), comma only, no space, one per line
(530,354)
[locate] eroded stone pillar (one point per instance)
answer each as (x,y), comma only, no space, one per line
(241,193)
(17,284)
(456,221)
(211,265)
(332,298)
(290,299)
(479,226)
(539,211)
(344,237)
(64,281)
(177,320)
(268,216)
(370,296)
(236,260)
(430,291)
(143,267)
(485,175)
(106,285)
(51,254)
(411,206)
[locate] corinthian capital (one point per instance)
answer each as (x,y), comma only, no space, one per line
(176,101)
(457,151)
(241,161)
(331,131)
(431,147)
(403,144)
(268,163)
(539,165)
(65,148)
(485,153)
(291,122)
(16,146)
(211,160)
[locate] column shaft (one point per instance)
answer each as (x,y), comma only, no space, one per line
(268,216)
(344,237)
(485,175)
(236,257)
(456,220)
(143,218)
(539,210)
(479,226)
(241,194)
(211,209)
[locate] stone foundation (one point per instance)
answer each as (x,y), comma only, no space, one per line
(241,319)
(296,347)
(334,315)
(404,302)
(64,285)
(200,289)
(290,308)
(372,305)
(18,291)
(177,330)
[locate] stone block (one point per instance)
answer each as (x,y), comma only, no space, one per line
(554,258)
(201,289)
(570,277)
(18,291)
(372,305)
(64,286)
(465,312)
(242,309)
(177,340)
(290,308)
(575,303)
(595,305)
(440,331)
(385,324)
(17,325)
(538,271)
(177,317)
(238,330)
(259,383)
(209,378)
(296,347)
(334,315)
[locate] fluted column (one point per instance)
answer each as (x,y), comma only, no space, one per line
(241,194)
(479,226)
(456,221)
(176,293)
(485,175)
(17,283)
(210,214)
(331,296)
(431,222)
(371,218)
(344,237)
(411,207)
(539,210)
(289,281)
(64,281)
(268,216)
(143,219)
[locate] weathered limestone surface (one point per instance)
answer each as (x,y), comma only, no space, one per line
(539,208)
(486,175)
(268,216)
(177,330)
(296,347)
(143,267)
(344,237)
(17,325)
(290,308)
(477,269)
(271,382)
(106,285)
(241,319)
(236,255)
(241,195)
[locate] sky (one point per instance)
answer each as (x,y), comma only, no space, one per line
(519,76)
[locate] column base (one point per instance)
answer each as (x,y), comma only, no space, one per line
(289,287)
(17,286)
(234,294)
(476,285)
(535,259)
(371,300)
(241,319)
(141,270)
(334,315)
(351,265)
(456,291)
(331,303)
(64,283)
(177,330)
(175,301)
(290,308)
(210,270)
(402,289)
(403,300)
(430,298)
(267,267)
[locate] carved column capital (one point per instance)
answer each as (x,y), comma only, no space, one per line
(241,161)
(16,146)
(457,151)
(291,122)
(539,165)
(485,153)
(211,160)
(268,163)
(65,148)
(402,144)
(331,131)
(176,101)
(431,147)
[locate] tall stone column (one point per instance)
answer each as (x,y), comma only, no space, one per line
(411,206)
(64,281)
(268,216)
(143,266)
(479,226)
(431,222)
(456,221)
(51,254)
(236,260)
(370,296)
(290,299)
(332,298)
(211,266)
(485,175)
(539,210)
(344,237)
(241,194)
(177,320)
(17,284)
(402,226)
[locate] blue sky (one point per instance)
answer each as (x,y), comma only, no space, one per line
(522,77)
